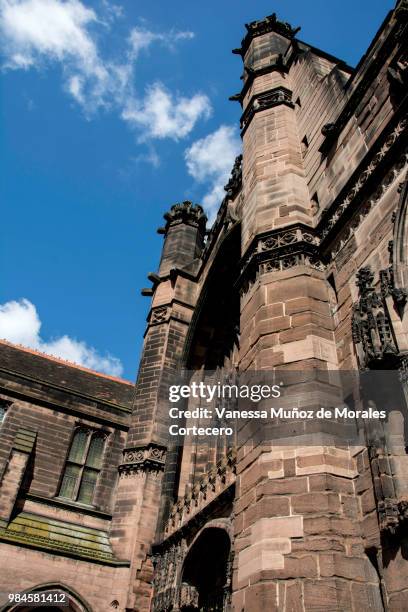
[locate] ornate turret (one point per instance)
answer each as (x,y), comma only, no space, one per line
(185,212)
(183,235)
(265,26)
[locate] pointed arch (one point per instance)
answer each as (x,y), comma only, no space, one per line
(214,326)
(206,572)
(76,602)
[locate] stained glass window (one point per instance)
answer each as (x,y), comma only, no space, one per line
(83,466)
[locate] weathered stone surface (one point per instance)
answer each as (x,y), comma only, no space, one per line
(298,273)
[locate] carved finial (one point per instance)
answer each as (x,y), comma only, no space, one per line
(263,26)
(186,212)
(364,280)
(235,181)
(371,324)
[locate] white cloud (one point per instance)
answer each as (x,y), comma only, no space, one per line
(164,115)
(37,32)
(47,27)
(150,157)
(141,38)
(20,324)
(210,160)
(111,12)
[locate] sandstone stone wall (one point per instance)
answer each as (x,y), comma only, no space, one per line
(309,242)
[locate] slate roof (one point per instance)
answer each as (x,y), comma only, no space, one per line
(64,374)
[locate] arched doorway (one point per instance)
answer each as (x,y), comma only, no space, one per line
(206,571)
(72,602)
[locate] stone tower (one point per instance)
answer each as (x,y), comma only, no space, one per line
(297,257)
(302,278)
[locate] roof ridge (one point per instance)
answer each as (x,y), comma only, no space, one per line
(69,364)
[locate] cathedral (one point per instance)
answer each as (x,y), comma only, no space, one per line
(303,271)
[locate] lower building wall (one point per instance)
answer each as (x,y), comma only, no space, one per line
(100,586)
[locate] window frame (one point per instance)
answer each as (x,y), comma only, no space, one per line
(91,434)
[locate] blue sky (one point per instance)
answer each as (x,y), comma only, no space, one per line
(110,113)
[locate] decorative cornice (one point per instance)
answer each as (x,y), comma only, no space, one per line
(332,216)
(279,250)
(264,26)
(198,520)
(263,101)
(149,458)
(60,538)
(59,548)
(211,485)
(368,204)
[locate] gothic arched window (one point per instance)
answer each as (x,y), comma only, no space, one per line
(83,466)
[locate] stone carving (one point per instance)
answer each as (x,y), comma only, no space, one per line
(235,182)
(185,212)
(268,99)
(141,459)
(283,238)
(403,370)
(332,217)
(371,325)
(171,592)
(364,210)
(392,513)
(398,76)
(168,564)
(284,263)
(264,26)
(188,597)
(159,315)
(388,288)
(203,491)
(280,250)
